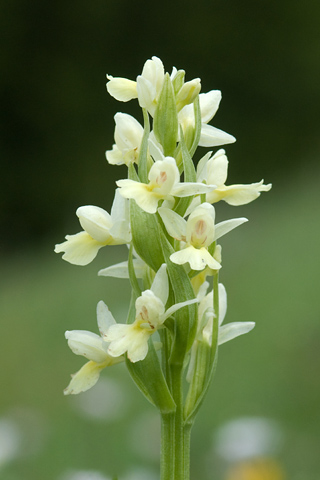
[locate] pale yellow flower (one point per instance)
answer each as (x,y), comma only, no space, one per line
(93,347)
(197,234)
(99,229)
(164,184)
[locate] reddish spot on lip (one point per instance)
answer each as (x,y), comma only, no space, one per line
(201,227)
(162,177)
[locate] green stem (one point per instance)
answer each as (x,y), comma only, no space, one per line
(178,423)
(167,446)
(175,435)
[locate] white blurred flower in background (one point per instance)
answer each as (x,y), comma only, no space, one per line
(248,437)
(83,475)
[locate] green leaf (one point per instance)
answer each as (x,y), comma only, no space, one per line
(143,154)
(144,229)
(132,173)
(198,122)
(145,236)
(189,175)
(132,274)
(149,378)
(165,123)
(147,373)
(205,365)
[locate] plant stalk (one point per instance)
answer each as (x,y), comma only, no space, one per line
(175,435)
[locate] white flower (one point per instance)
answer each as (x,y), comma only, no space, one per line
(209,104)
(164,184)
(91,346)
(99,229)
(226,332)
(128,135)
(206,314)
(147,88)
(150,316)
(215,170)
(197,233)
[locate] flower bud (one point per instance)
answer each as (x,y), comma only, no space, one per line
(178,80)
(188,93)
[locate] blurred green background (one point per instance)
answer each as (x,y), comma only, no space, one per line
(57,122)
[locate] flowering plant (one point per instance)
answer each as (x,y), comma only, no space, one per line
(174,325)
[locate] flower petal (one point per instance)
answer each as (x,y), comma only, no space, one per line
(224,227)
(122,89)
(119,337)
(155,148)
(128,132)
(120,270)
(160,284)
(243,194)
(114,156)
(222,303)
(146,199)
(87,344)
(138,349)
(233,330)
(104,318)
(198,258)
(84,379)
(213,137)
(95,221)
(209,104)
(130,339)
(202,167)
(176,307)
(153,70)
(187,189)
(80,249)
(175,225)
(217,168)
(146,94)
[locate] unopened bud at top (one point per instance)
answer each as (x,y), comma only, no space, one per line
(188,93)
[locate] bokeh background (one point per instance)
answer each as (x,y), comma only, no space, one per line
(261,419)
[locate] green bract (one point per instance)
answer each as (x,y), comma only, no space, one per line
(166,118)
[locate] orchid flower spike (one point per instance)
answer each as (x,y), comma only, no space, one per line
(99,229)
(91,346)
